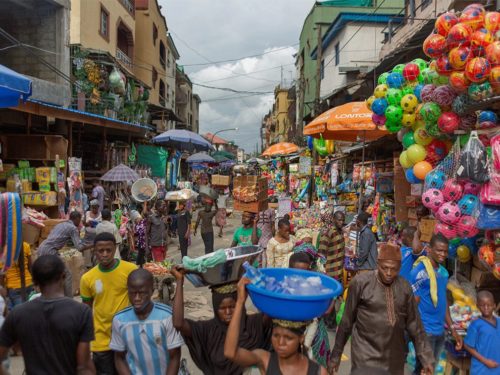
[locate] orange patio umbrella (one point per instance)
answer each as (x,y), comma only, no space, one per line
(346,122)
(282,148)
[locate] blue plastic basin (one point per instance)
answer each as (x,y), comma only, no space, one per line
(292,307)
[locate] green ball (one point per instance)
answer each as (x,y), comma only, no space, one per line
(398,68)
(432,129)
(393,126)
(455,241)
(422,64)
(408,140)
(407,89)
(429,75)
(440,80)
(489,152)
(430,112)
(382,78)
(464,139)
(394,114)
(393,96)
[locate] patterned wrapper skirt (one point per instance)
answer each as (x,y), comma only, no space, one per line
(220,217)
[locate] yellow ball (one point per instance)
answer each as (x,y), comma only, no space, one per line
(380,91)
(369,102)
(409,103)
(422,137)
(404,161)
(408,119)
(463,254)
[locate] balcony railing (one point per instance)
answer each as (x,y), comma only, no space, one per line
(129,5)
(123,58)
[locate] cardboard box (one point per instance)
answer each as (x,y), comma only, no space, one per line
(259,182)
(254,207)
(426,229)
(412,201)
(30,233)
(38,198)
(417,189)
(482,278)
(220,180)
(412,213)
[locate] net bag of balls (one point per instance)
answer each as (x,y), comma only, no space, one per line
(473,164)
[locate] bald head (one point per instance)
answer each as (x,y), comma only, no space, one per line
(140,277)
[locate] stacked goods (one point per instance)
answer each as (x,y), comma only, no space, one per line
(73,259)
(220,180)
(250,193)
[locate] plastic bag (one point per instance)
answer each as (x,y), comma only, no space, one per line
(489,217)
(473,163)
(495,150)
(490,191)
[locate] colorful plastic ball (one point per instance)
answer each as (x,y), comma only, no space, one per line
(430,112)
(380,91)
(443,95)
(448,122)
(378,119)
(398,68)
(467,227)
(379,106)
(434,45)
(428,75)
(487,116)
(460,103)
(494,79)
(493,53)
(401,134)
(446,230)
(472,188)
(449,213)
(458,35)
(473,16)
(459,56)
(441,79)
(452,190)
(492,22)
(417,90)
(432,129)
(382,79)
(426,93)
(481,38)
(445,22)
(443,65)
(394,96)
(432,199)
(421,169)
(416,153)
(409,103)
(411,178)
(393,127)
(411,72)
(395,80)
(394,114)
(404,161)
(408,88)
(459,82)
(437,147)
(408,119)
(422,64)
(463,253)
(369,102)
(467,122)
(468,204)
(422,137)
(408,140)
(486,125)
(477,69)
(480,91)
(435,179)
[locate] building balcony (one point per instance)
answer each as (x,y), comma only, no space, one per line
(129,5)
(181,98)
(123,59)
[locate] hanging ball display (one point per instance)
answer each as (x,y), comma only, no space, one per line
(392,126)
(432,199)
(379,106)
(416,153)
(446,230)
(448,122)
(459,82)
(426,93)
(382,79)
(394,114)
(410,177)
(468,204)
(452,190)
(409,103)
(398,68)
(480,91)
(445,22)
(449,213)
(421,169)
(394,96)
(493,53)
(369,102)
(430,112)
(473,16)
(458,35)
(492,22)
(463,254)
(443,95)
(408,140)
(422,137)
(380,91)
(443,65)
(434,45)
(378,120)
(404,161)
(395,80)
(408,119)
(435,179)
(481,38)
(477,69)
(411,72)
(438,148)
(459,56)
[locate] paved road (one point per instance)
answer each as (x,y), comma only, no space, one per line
(198,300)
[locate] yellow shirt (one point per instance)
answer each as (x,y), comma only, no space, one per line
(13,274)
(108,290)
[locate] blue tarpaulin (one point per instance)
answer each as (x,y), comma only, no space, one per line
(13,86)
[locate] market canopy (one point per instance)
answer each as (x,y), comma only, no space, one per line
(282,148)
(120,173)
(224,153)
(200,157)
(183,140)
(346,122)
(13,86)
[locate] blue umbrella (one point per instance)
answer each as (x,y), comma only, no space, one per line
(13,86)
(200,157)
(183,140)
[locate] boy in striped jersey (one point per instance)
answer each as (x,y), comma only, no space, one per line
(143,336)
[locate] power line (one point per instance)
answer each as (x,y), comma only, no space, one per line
(232,90)
(253,72)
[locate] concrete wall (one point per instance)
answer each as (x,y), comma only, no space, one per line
(44,26)
(364,46)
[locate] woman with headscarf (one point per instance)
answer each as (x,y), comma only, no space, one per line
(287,341)
(205,339)
(280,246)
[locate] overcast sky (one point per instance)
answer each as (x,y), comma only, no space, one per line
(207,31)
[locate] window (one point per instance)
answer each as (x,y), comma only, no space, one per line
(162,92)
(337,54)
(168,92)
(104,23)
(155,34)
(322,69)
(168,58)
(162,54)
(154,76)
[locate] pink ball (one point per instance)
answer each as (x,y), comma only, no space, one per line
(467,122)
(446,230)
(449,213)
(443,95)
(432,199)
(466,227)
(378,120)
(452,190)
(426,93)
(448,122)
(471,188)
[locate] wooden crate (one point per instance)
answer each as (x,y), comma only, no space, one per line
(254,207)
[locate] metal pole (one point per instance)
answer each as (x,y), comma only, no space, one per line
(360,208)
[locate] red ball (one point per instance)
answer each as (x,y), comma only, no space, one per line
(493,53)
(411,72)
(459,56)
(438,148)
(434,45)
(473,16)
(459,35)
(477,69)
(445,22)
(443,65)
(448,122)
(459,82)
(479,40)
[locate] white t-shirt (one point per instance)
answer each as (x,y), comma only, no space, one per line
(221,201)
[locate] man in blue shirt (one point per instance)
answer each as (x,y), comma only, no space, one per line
(411,250)
(143,336)
(429,280)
